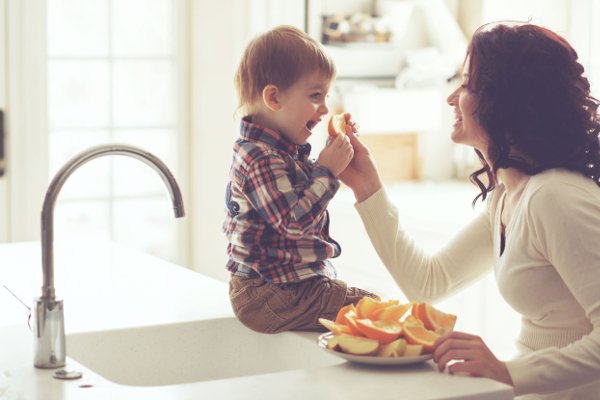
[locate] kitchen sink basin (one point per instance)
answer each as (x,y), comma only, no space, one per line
(193,352)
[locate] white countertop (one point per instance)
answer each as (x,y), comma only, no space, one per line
(109,287)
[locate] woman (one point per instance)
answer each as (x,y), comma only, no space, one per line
(525,107)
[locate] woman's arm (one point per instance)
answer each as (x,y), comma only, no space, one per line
(419,275)
(422,276)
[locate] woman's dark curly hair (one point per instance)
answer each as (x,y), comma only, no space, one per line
(534,103)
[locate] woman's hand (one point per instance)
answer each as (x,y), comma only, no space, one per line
(472,355)
(361,174)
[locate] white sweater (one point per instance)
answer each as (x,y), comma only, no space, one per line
(549,273)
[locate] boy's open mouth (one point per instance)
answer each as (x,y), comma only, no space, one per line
(311,124)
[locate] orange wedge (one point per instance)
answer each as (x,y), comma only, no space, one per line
(383,331)
(413,321)
(417,310)
(334,327)
(337,125)
(415,334)
(368,307)
(350,322)
(432,318)
(393,312)
(437,320)
(340,318)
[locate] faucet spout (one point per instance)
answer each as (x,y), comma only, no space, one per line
(48,318)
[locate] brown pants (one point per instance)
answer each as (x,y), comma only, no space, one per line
(268,308)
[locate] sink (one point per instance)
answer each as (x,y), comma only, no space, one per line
(193,352)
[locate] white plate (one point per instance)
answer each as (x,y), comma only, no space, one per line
(374,360)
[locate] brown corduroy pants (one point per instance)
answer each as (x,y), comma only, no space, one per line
(269,308)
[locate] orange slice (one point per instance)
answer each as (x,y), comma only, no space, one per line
(383,331)
(367,307)
(434,319)
(393,312)
(417,311)
(437,320)
(350,322)
(337,125)
(413,321)
(334,327)
(415,334)
(340,318)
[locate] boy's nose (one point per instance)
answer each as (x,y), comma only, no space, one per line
(324,109)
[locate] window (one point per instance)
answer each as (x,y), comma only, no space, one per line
(114,72)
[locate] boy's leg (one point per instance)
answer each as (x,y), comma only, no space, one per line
(321,298)
(250,299)
(315,298)
(270,308)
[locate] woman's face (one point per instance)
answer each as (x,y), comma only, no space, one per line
(467,129)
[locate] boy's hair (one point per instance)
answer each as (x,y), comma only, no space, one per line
(279,57)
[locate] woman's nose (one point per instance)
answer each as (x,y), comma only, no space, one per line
(451,100)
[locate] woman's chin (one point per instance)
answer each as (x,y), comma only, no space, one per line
(455,136)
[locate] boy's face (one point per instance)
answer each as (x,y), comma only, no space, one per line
(303,106)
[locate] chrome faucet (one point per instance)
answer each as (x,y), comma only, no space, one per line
(48,317)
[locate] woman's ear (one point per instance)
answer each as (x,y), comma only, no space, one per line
(271,96)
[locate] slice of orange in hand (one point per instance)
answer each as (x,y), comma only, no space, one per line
(337,125)
(383,331)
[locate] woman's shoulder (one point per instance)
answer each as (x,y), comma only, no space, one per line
(561,180)
(561,186)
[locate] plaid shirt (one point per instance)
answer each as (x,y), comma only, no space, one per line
(277,222)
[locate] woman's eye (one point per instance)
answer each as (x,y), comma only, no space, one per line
(316,95)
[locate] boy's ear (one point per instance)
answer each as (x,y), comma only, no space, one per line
(271,96)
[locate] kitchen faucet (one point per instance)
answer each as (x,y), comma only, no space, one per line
(48,316)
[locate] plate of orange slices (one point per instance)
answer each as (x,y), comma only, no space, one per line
(385,333)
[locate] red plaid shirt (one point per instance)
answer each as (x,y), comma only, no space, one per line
(277,222)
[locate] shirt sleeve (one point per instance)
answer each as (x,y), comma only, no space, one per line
(292,212)
(565,220)
(422,276)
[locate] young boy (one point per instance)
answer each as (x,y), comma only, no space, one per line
(277,222)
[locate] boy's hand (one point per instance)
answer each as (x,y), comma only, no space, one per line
(336,155)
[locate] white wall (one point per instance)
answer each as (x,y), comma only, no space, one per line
(553,14)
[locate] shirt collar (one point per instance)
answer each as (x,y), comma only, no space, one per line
(252,132)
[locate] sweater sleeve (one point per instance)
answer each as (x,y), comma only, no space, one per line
(422,276)
(565,220)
